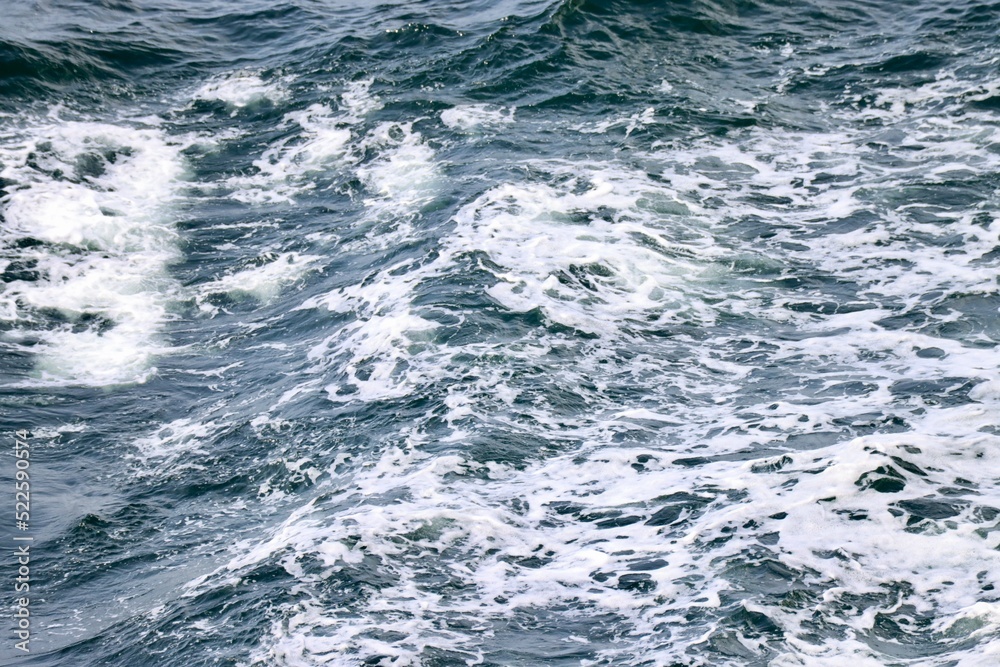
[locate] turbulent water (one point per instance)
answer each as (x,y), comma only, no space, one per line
(502,333)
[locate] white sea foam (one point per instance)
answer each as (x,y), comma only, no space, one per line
(242,89)
(466,117)
(262,281)
(176,446)
(97,197)
(403,176)
(645,117)
(372,348)
(401,180)
(508,545)
(620,251)
(320,142)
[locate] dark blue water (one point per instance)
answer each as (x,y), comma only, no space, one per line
(519,333)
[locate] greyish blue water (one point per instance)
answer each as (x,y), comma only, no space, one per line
(551,332)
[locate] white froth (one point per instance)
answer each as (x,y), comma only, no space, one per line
(593,260)
(242,89)
(404,176)
(321,143)
(357,100)
(98,197)
(631,123)
(176,446)
(401,180)
(470,116)
(482,522)
(264,281)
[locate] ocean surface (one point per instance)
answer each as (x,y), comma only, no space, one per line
(530,332)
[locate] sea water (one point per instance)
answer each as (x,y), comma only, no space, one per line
(538,332)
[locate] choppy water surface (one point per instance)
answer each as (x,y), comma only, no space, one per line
(522,333)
